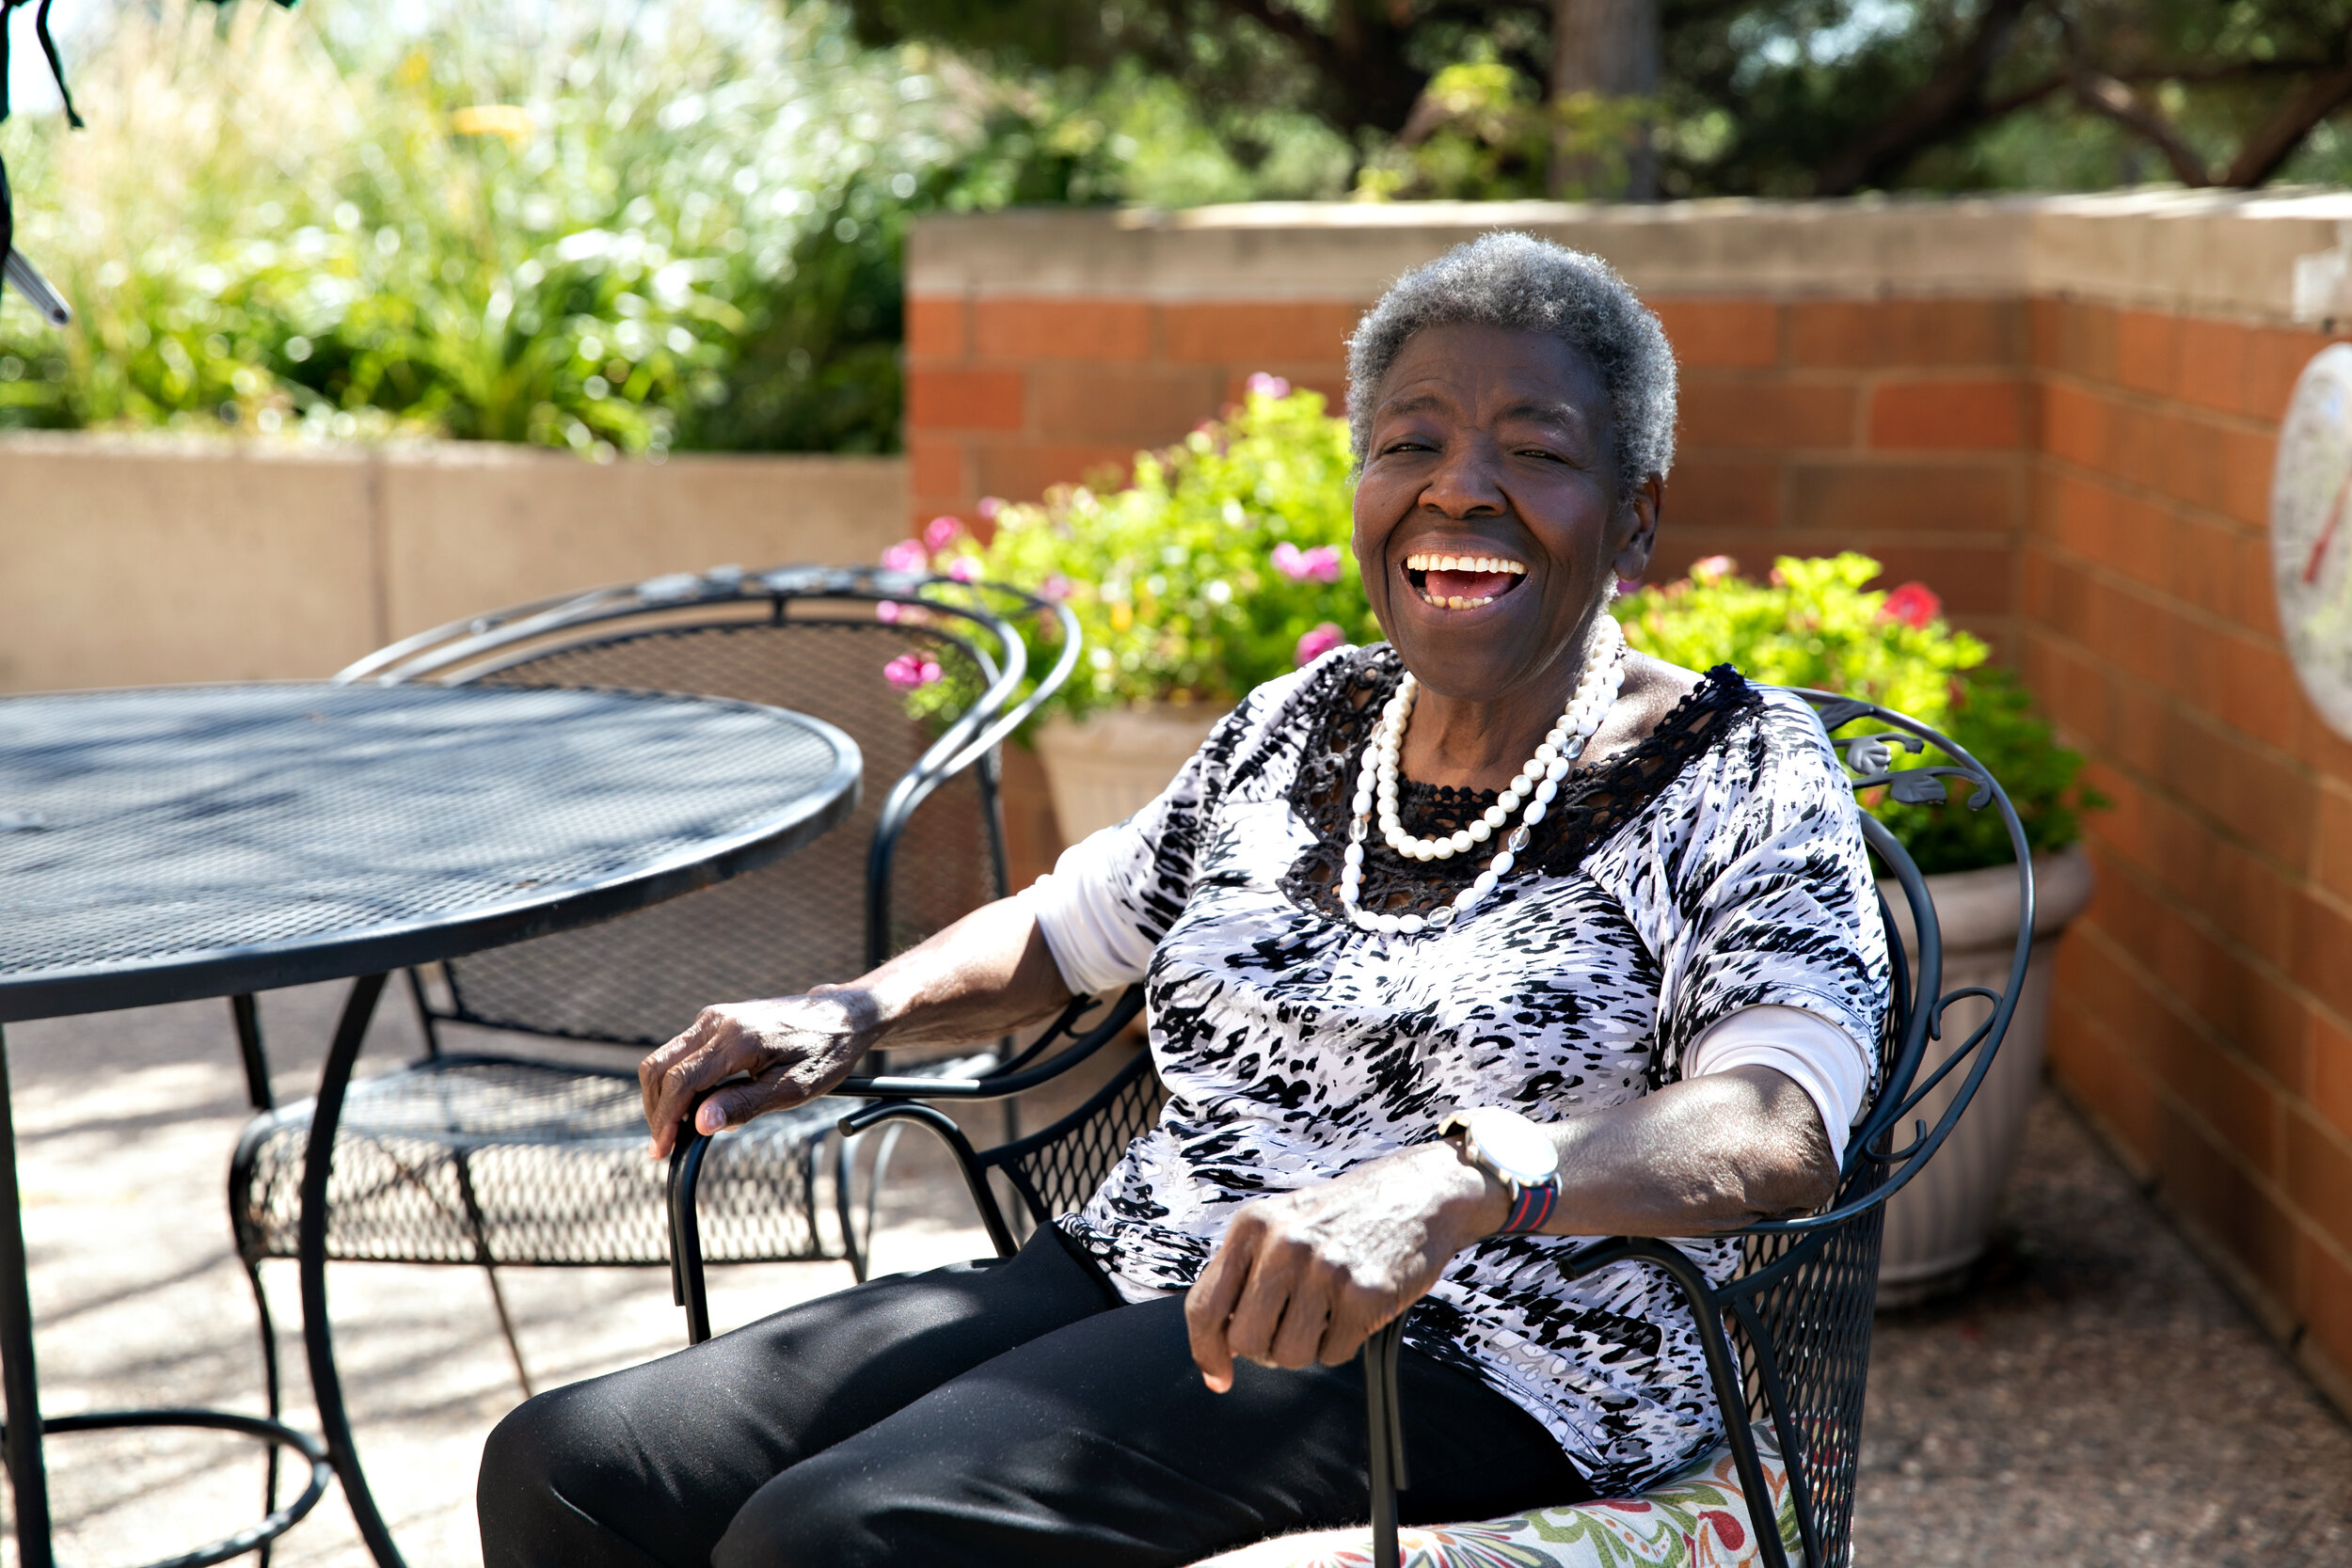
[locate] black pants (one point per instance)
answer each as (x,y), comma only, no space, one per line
(1006,1411)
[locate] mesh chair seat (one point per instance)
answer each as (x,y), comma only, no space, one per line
(486,1160)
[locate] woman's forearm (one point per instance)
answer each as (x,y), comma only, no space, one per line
(987,973)
(1705,1154)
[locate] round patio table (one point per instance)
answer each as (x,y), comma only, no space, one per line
(165,845)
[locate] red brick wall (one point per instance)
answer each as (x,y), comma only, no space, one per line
(2084,486)
(1895,427)
(2203,1005)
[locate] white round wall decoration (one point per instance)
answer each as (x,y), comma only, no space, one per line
(2311,531)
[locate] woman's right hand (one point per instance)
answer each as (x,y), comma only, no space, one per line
(794,1048)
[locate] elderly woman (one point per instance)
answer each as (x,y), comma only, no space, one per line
(1460,948)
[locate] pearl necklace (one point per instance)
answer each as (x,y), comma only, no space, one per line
(1537,783)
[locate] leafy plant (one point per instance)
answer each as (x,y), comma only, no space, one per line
(582,225)
(1220,566)
(1483,131)
(1815,623)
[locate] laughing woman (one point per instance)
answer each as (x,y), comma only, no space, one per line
(1458,948)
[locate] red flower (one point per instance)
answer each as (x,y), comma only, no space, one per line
(1727,1526)
(1914,604)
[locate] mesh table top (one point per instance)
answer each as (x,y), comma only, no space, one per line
(200,841)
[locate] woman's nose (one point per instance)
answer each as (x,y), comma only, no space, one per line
(1466,481)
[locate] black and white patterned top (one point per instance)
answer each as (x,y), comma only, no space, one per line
(1716,866)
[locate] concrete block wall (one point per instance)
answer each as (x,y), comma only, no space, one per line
(2060,414)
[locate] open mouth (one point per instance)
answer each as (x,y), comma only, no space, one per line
(1462,581)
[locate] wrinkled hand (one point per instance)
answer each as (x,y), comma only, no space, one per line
(794,1048)
(1307,1276)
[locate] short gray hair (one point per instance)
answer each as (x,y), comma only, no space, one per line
(1524,284)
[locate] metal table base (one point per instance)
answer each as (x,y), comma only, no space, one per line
(24,1434)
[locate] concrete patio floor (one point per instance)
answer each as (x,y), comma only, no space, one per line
(2095,1399)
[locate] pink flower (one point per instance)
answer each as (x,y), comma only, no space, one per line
(1320,565)
(989,507)
(1268,385)
(1712,568)
(1313,645)
(887,612)
(964,568)
(910,671)
(941,531)
(1914,604)
(907,555)
(1056,588)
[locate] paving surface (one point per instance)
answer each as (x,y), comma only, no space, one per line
(2095,1399)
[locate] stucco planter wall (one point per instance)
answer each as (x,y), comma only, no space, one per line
(1108,768)
(133,559)
(1937,1226)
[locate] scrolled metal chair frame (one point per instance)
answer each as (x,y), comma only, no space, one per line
(1872,1171)
(483,646)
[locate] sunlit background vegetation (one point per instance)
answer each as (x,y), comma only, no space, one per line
(627,227)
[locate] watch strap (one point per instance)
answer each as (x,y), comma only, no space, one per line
(1531,1202)
(1530,1207)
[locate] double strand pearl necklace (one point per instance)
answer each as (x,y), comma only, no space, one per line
(1537,784)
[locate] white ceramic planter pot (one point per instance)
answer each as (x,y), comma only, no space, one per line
(1936,1227)
(1111,767)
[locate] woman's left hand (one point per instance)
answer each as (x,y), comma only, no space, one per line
(1307,1276)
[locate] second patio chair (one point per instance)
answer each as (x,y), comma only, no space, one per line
(504,1156)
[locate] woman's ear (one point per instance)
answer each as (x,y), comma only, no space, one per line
(1640,522)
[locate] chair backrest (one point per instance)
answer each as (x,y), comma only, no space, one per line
(923,847)
(1800,1307)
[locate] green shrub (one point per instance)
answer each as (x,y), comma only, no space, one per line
(1816,623)
(1222,563)
(618,232)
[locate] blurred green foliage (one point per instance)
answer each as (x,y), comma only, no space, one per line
(576,232)
(625,228)
(1753,97)
(1818,623)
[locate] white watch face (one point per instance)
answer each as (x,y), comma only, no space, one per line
(1517,1148)
(2311,531)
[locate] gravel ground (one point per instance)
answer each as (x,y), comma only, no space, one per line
(2094,1399)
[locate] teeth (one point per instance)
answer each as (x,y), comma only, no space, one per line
(1429,561)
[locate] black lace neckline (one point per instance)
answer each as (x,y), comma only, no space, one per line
(1592,804)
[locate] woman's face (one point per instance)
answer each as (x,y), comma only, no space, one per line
(1488,522)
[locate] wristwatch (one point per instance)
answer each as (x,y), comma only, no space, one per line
(1516,1152)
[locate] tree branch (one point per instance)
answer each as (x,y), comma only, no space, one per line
(2010,103)
(2275,140)
(1947,101)
(1360,62)
(2103,94)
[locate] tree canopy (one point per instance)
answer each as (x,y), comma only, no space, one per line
(1762,97)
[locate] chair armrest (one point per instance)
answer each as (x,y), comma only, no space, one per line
(942,1125)
(1001,1084)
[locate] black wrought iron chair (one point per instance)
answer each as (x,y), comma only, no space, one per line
(1795,1349)
(1796,1343)
(507,1157)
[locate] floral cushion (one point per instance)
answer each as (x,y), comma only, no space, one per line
(1699,1520)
